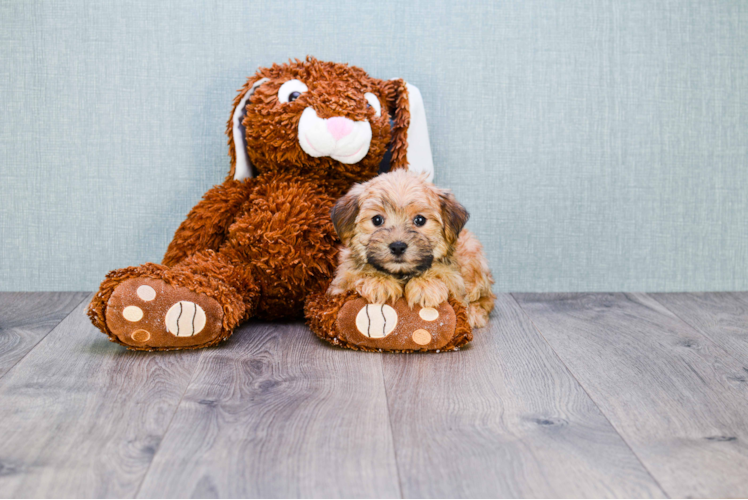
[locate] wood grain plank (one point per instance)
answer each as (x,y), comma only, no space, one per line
(278,413)
(26,317)
(82,417)
(504,418)
(678,399)
(723,317)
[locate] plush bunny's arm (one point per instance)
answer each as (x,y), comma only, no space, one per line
(207,224)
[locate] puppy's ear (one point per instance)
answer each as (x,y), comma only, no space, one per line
(454,216)
(344,215)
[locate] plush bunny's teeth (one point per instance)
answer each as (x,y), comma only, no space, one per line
(316,139)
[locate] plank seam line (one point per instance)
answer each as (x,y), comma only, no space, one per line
(537,329)
(392,429)
(171,420)
(75,308)
(698,330)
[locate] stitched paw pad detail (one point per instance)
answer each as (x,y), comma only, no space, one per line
(396,327)
(376,321)
(185,319)
(149,313)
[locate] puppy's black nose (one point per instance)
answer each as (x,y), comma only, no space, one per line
(398,248)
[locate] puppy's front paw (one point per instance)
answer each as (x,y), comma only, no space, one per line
(379,291)
(426,292)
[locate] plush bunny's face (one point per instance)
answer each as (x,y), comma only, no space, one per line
(315,118)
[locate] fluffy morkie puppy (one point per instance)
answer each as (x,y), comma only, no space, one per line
(403,236)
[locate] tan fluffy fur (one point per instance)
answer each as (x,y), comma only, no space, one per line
(441,258)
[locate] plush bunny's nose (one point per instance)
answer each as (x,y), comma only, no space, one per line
(339,127)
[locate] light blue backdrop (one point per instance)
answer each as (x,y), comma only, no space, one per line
(599,145)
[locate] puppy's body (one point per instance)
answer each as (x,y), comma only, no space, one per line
(403,236)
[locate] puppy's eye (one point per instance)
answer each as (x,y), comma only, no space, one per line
(419,221)
(291,90)
(373,102)
(377,220)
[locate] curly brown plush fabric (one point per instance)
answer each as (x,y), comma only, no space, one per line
(261,246)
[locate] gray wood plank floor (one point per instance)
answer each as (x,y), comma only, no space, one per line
(83,417)
(562,395)
(504,417)
(25,318)
(722,317)
(671,393)
(275,413)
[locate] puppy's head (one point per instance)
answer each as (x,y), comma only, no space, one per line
(399,223)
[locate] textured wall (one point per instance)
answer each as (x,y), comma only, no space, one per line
(600,145)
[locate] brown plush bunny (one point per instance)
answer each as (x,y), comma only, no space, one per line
(261,243)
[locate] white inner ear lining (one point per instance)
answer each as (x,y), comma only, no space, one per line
(418,153)
(243,168)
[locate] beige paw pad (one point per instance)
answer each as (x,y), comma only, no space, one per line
(140,335)
(428,314)
(421,337)
(146,293)
(185,319)
(376,320)
(132,313)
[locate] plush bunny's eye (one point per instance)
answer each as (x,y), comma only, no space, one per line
(374,103)
(291,90)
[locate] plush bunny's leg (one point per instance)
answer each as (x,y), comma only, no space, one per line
(347,320)
(206,225)
(288,238)
(194,304)
(279,249)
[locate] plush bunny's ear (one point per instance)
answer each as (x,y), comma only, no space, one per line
(410,146)
(242,167)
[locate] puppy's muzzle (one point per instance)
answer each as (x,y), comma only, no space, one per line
(399,252)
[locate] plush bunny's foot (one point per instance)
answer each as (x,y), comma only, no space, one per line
(350,321)
(156,308)
(146,313)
